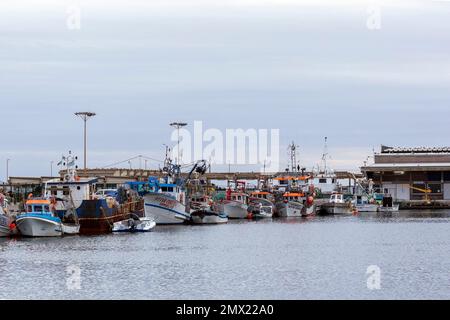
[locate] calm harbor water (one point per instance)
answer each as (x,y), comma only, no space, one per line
(320,258)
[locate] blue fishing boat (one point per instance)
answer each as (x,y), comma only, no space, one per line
(38,220)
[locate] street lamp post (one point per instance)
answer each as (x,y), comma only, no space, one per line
(85,116)
(178,126)
(51,168)
(7,170)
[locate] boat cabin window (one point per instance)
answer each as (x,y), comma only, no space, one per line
(322,180)
(66,191)
(333,181)
(37,209)
(53,191)
(29,208)
(167,189)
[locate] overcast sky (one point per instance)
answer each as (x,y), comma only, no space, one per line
(309,68)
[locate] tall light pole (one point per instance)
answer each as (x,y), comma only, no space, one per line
(178,126)
(85,116)
(7,170)
(51,168)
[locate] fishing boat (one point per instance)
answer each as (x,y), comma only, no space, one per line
(260,208)
(205,216)
(324,179)
(38,220)
(7,225)
(363,204)
(168,201)
(235,206)
(133,225)
(290,205)
(337,206)
(75,203)
(388,205)
(167,204)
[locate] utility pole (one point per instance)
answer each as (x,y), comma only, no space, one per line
(7,170)
(85,116)
(178,126)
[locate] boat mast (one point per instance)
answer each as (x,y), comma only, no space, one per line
(325,156)
(293,155)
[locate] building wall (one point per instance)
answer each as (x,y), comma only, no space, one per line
(447,191)
(403,192)
(400,192)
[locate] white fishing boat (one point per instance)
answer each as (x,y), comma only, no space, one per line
(167,205)
(290,205)
(261,208)
(38,220)
(168,202)
(325,180)
(363,204)
(134,225)
(235,206)
(6,224)
(367,207)
(337,206)
(208,217)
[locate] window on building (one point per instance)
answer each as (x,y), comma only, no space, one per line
(434,176)
(418,187)
(447,176)
(435,187)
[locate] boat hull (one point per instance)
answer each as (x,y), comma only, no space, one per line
(289,209)
(395,208)
(309,211)
(98,216)
(367,208)
(235,210)
(206,217)
(5,221)
(70,229)
(164,209)
(39,227)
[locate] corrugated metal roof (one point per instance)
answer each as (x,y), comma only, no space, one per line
(417,150)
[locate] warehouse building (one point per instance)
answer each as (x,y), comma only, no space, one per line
(410,174)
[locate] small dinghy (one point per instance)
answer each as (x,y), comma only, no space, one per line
(134,225)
